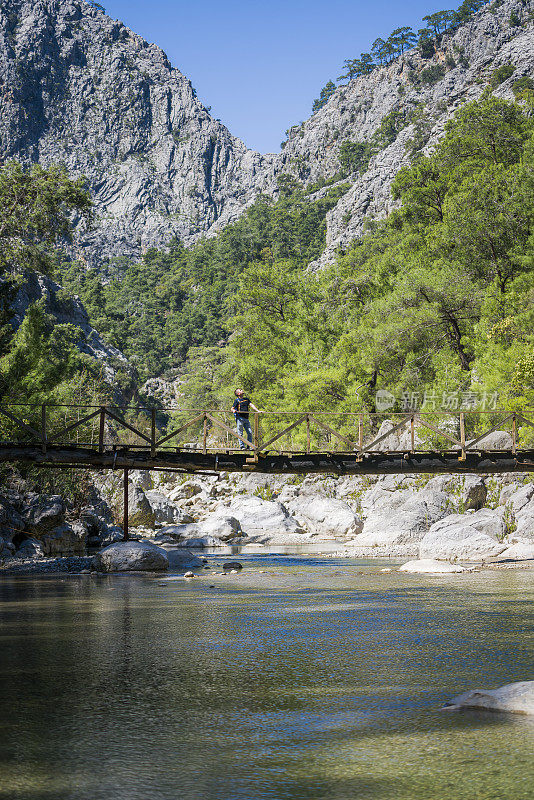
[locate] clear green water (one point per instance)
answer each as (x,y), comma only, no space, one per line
(314,679)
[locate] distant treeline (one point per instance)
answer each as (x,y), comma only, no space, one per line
(384,51)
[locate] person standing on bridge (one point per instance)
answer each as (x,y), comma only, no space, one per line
(240,409)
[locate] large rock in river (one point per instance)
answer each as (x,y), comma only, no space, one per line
(466,537)
(431,566)
(396,515)
(126,556)
(515,698)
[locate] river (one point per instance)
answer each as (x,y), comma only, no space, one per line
(301,677)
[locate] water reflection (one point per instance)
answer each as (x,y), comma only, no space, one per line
(319,679)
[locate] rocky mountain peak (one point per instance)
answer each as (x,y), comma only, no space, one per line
(80,88)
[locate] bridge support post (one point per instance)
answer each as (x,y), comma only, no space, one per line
(125,517)
(205,434)
(462,435)
(101,429)
(153,434)
(43,428)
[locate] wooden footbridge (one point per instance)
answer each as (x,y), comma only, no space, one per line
(205,441)
(108,437)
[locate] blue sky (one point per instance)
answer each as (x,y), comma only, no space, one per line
(260,65)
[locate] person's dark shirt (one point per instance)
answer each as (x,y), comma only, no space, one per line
(241,407)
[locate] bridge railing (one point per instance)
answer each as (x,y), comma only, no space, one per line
(107,427)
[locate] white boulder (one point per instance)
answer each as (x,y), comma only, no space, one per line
(163,509)
(126,556)
(496,440)
(398,440)
(324,515)
(214,531)
(466,537)
(515,698)
(518,551)
(431,566)
(397,515)
(257,516)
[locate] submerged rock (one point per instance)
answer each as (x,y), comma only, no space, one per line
(183,559)
(235,566)
(125,556)
(515,698)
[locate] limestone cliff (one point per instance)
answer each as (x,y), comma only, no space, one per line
(421,95)
(80,88)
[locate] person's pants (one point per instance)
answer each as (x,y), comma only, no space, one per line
(243,427)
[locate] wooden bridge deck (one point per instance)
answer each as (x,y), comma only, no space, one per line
(340,463)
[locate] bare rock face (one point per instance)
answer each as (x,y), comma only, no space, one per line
(466,537)
(82,89)
(257,516)
(127,556)
(514,698)
(324,516)
(466,59)
(42,513)
(396,515)
(164,510)
(68,539)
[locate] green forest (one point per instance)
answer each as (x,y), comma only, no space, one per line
(436,299)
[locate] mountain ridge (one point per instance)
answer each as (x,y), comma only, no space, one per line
(80,88)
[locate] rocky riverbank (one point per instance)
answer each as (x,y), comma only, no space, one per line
(468,519)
